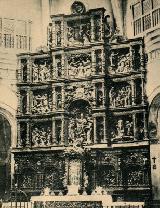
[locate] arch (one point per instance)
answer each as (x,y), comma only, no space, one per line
(5,155)
(75,100)
(154,93)
(154,118)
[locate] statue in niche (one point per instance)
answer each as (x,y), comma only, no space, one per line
(120,128)
(58,66)
(129,128)
(112,97)
(58,33)
(80,130)
(44,72)
(79,33)
(97,23)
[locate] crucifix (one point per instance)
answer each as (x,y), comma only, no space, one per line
(154,159)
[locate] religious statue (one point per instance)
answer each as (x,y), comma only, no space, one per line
(120,128)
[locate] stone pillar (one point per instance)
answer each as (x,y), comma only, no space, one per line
(102,29)
(63,97)
(28,135)
(93,62)
(134,126)
(131,51)
(18,135)
(141,57)
(53,131)
(29,69)
(143,88)
(53,35)
(63,131)
(65,33)
(28,102)
(145,125)
(104,94)
(95,129)
(104,124)
(94,95)
(19,71)
(103,60)
(132,83)
(92,29)
(19,108)
(53,98)
(54,70)
(62,32)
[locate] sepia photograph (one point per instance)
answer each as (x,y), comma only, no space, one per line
(80,104)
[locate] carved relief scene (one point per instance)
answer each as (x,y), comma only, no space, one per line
(79,65)
(80,128)
(122,129)
(41,70)
(41,134)
(41,101)
(120,61)
(120,95)
(79,90)
(78,32)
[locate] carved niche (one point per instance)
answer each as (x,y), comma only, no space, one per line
(83,90)
(41,70)
(97,28)
(41,134)
(80,124)
(79,32)
(120,63)
(58,33)
(120,96)
(24,71)
(79,65)
(41,102)
(123,130)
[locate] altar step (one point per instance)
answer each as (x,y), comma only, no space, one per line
(72,204)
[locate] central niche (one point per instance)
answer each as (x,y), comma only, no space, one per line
(80,128)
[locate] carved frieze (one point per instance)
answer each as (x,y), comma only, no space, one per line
(79,65)
(41,102)
(41,135)
(41,70)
